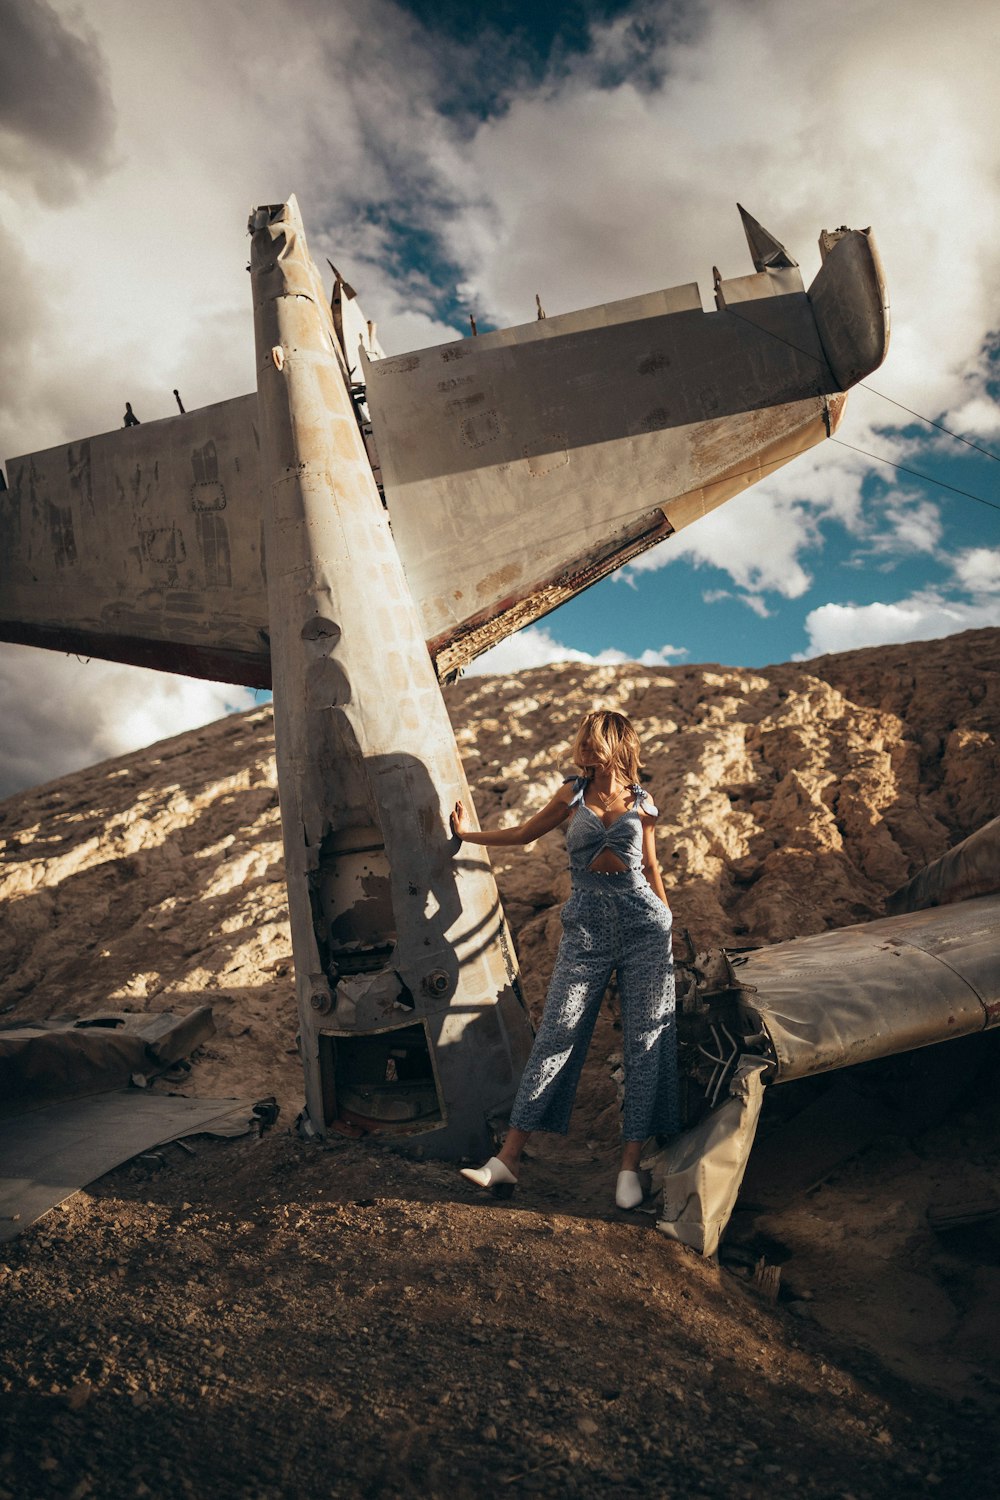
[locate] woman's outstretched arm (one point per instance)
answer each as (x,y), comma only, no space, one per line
(551,815)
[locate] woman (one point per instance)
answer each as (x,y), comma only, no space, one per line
(617,918)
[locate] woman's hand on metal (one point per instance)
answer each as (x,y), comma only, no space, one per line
(552,814)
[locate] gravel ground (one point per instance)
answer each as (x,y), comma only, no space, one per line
(278,1318)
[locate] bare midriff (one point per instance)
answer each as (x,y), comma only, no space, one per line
(607,863)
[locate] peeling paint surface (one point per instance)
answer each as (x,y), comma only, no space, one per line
(585,422)
(889,986)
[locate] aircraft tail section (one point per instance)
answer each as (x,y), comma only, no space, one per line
(518,467)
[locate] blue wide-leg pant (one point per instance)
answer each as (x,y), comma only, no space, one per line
(610,923)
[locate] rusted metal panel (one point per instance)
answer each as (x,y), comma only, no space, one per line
(971,868)
(700,1171)
(454,649)
(61,1058)
(851,304)
(845,997)
(409,1004)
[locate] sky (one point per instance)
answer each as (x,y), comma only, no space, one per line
(452,158)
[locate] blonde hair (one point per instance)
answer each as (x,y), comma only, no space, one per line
(613,736)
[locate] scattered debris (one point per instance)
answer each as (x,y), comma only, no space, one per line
(767,1279)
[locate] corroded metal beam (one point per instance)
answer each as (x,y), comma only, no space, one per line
(409,1004)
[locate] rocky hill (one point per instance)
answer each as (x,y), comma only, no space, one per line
(793,798)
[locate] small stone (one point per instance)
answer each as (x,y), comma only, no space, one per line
(78,1396)
(587,1426)
(489,1433)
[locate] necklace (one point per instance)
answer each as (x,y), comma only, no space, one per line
(606,799)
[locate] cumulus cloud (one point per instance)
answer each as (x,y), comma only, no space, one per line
(864,122)
(56,113)
(978,569)
(536,646)
(921,617)
(69,713)
(757,538)
(752,601)
(140,286)
(904,525)
(978,414)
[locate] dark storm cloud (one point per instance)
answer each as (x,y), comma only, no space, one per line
(56,113)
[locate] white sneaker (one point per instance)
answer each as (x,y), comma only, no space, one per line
(628,1190)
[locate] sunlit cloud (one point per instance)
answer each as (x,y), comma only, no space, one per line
(978,569)
(535,646)
(921,617)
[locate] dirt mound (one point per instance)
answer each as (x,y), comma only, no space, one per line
(379,1326)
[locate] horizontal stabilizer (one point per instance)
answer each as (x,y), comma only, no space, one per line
(143,545)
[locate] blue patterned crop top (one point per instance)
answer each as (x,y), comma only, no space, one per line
(587,837)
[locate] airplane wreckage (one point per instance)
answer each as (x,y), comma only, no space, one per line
(362,527)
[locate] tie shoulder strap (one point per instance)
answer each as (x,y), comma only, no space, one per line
(579,787)
(643,802)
